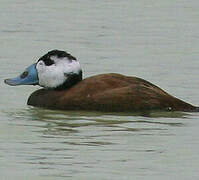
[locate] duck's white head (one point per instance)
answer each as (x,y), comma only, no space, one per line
(55,70)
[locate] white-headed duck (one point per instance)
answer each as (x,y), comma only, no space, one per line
(60,75)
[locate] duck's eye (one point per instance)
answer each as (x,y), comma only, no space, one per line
(41,63)
(24,74)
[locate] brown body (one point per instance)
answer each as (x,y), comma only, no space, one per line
(109,92)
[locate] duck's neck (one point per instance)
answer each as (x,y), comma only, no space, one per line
(71,81)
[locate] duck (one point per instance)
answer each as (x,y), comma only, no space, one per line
(60,75)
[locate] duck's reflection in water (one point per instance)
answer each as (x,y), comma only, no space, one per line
(65,123)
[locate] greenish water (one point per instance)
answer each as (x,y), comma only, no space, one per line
(154,40)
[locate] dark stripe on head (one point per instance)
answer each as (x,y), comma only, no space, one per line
(60,54)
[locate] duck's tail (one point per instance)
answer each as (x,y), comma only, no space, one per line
(196,109)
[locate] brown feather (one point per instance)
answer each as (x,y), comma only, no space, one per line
(109,92)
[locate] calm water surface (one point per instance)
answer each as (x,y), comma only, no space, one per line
(155,40)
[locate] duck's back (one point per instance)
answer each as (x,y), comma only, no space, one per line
(109,92)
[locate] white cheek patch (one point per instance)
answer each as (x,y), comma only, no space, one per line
(50,77)
(55,75)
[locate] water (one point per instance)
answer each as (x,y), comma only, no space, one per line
(155,40)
